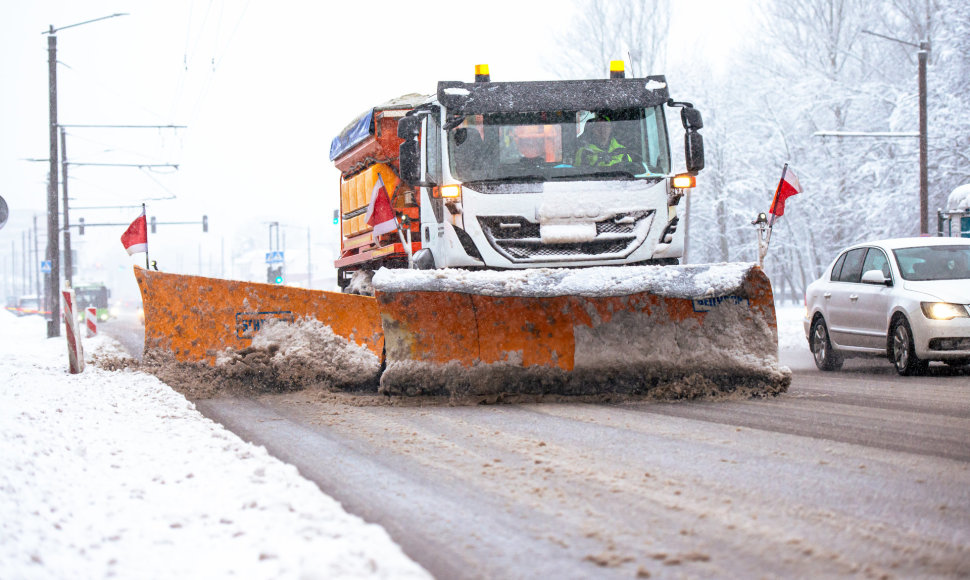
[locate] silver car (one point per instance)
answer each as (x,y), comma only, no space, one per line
(907,299)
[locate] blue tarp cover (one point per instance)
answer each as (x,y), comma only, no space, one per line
(354,133)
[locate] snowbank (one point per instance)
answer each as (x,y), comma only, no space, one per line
(114,474)
(674,281)
(285,356)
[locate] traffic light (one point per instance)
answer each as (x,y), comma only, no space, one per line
(274,275)
(80,226)
(336,217)
(153,224)
(205,223)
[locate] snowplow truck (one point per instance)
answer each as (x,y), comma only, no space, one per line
(515,238)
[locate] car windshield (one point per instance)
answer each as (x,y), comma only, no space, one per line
(30,303)
(934,262)
(615,144)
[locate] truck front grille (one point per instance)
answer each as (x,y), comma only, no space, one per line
(519,239)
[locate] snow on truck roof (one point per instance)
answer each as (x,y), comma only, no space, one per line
(959,199)
(698,281)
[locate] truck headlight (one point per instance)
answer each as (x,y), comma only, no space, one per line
(450,191)
(943,310)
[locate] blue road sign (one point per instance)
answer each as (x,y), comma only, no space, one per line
(45,266)
(274,257)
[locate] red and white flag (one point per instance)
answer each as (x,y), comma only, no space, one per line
(380,214)
(135,238)
(787,187)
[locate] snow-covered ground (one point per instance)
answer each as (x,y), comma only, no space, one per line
(114,474)
(791,333)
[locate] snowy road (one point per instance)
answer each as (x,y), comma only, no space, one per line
(859,473)
(851,473)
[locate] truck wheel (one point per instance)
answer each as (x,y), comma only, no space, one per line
(826,357)
(904,351)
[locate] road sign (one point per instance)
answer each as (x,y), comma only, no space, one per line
(45,266)
(4,212)
(274,257)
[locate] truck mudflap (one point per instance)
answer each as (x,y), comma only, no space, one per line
(195,319)
(677,330)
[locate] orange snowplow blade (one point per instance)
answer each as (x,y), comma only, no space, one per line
(668,327)
(193,318)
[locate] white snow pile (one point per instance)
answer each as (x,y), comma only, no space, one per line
(113,474)
(959,198)
(296,354)
(791,330)
(673,281)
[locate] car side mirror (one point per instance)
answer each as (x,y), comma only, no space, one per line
(876,277)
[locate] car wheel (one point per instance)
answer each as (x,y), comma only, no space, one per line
(904,351)
(826,358)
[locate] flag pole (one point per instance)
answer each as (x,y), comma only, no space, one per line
(146,234)
(771,210)
(400,234)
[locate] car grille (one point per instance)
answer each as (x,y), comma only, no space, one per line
(520,241)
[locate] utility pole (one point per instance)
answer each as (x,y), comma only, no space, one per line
(24,279)
(36,259)
(52,286)
(68,259)
(924,184)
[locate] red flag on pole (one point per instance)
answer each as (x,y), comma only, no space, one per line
(135,238)
(787,187)
(380,214)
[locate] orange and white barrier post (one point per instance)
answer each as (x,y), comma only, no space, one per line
(91,321)
(75,353)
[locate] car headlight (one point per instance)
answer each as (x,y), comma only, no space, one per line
(943,310)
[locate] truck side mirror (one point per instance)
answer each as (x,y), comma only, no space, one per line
(693,142)
(409,156)
(691,118)
(693,151)
(409,127)
(409,152)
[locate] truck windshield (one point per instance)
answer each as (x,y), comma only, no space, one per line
(621,144)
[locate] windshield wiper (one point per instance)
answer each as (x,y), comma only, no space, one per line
(616,173)
(454,122)
(510,179)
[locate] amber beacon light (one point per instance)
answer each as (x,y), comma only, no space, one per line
(481,73)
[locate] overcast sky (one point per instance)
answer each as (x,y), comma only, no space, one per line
(262,87)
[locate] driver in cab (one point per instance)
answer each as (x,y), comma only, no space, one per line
(601,149)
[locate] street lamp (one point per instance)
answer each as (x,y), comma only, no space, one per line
(923,54)
(52,284)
